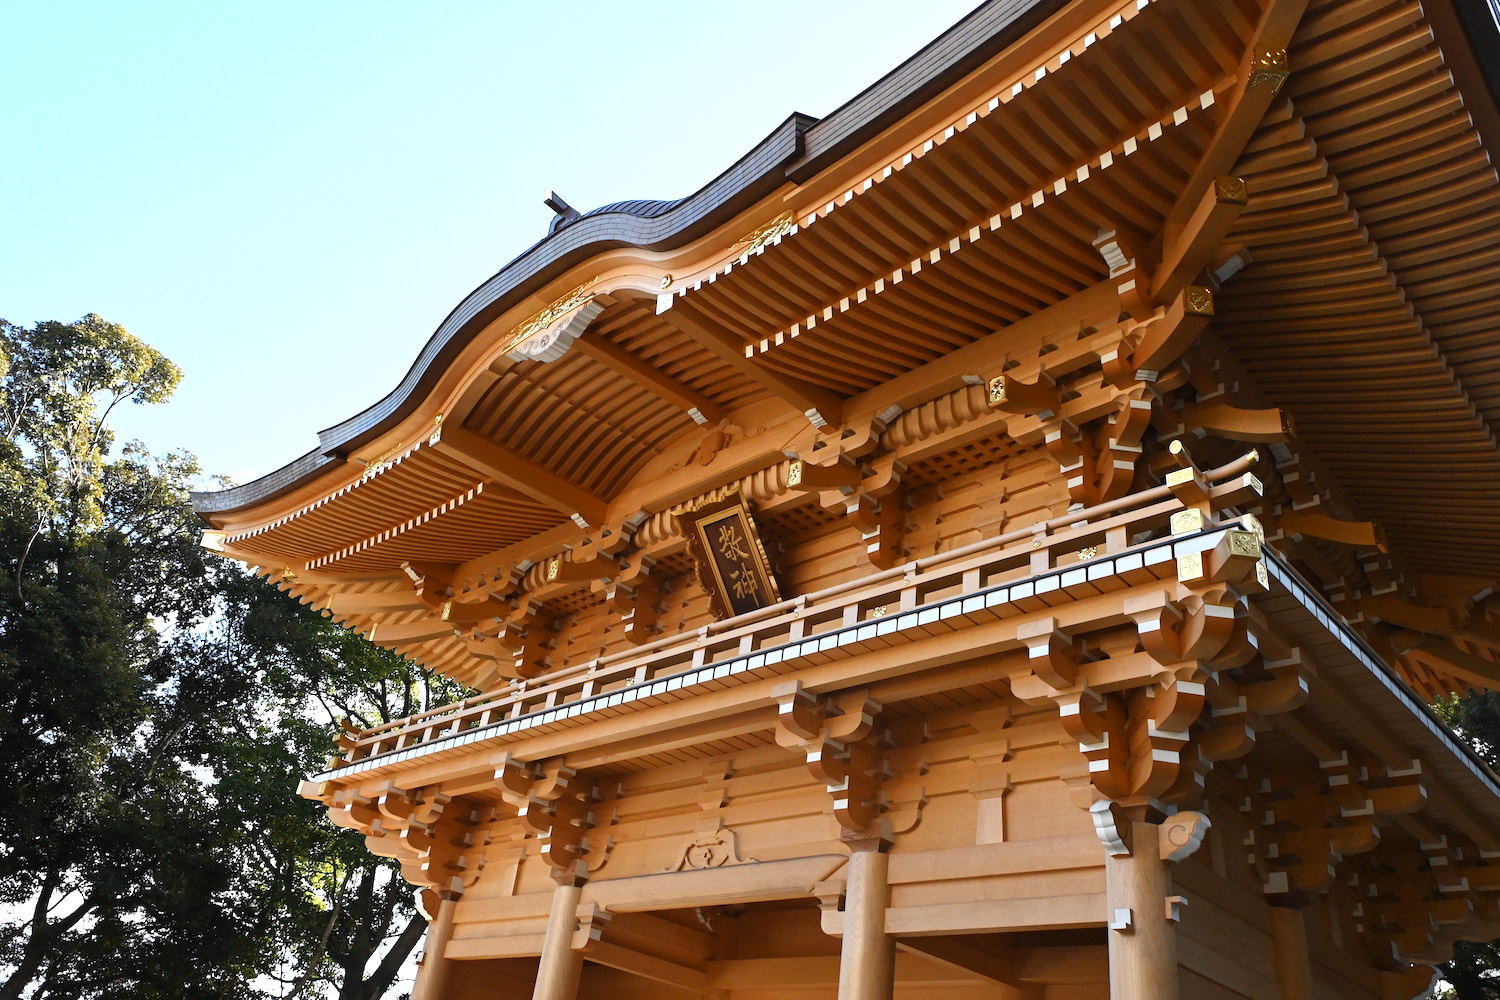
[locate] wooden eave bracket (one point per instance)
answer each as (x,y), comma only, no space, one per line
(843,475)
(433,582)
(1189,248)
(1041,398)
(1467,667)
(1356,534)
(1266,426)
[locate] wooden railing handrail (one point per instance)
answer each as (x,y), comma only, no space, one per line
(599,669)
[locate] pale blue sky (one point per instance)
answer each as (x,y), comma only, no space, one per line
(287,198)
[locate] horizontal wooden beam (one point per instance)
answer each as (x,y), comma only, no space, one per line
(520,473)
(382,634)
(1238,424)
(647,966)
(997,968)
(344,604)
(1061,320)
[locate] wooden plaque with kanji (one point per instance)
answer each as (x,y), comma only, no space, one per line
(732,562)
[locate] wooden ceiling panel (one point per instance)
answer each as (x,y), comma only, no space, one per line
(1094,102)
(395,489)
(574,415)
(1372,226)
(632,324)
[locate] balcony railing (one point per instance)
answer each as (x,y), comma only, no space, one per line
(1079,554)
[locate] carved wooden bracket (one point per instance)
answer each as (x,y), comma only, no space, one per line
(636,596)
(1151,722)
(1408,913)
(882,525)
(717,848)
(560,807)
(1178,836)
(1301,834)
(845,749)
(439,842)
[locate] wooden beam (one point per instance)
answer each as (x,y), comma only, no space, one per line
(647,966)
(1168,337)
(820,404)
(815,972)
(1189,248)
(1065,965)
(997,968)
(518,472)
(1356,534)
(652,379)
(382,634)
(1466,667)
(504,559)
(344,604)
(1063,319)
(1247,104)
(1238,424)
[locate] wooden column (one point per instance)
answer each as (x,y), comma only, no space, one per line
(560,966)
(1142,935)
(867,962)
(1289,947)
(436,972)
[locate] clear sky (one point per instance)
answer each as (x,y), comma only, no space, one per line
(287,198)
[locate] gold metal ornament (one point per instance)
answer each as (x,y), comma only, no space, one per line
(1198,300)
(774,229)
(1269,69)
(546,317)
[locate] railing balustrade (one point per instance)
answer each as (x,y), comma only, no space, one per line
(1064,556)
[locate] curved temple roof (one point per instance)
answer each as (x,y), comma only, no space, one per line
(914,242)
(795,150)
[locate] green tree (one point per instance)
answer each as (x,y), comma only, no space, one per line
(1474,971)
(355,924)
(156,707)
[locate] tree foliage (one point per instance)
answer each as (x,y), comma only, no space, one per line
(100,722)
(356,924)
(156,708)
(1474,971)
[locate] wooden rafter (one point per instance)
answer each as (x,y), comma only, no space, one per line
(1210,201)
(821,405)
(648,377)
(518,472)
(1252,96)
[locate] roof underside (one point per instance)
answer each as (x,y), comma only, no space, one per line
(1368,308)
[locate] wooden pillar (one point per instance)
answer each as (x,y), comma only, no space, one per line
(434,977)
(1289,947)
(561,966)
(867,961)
(1142,931)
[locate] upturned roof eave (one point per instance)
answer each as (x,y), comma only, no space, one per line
(796,150)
